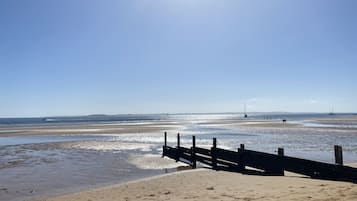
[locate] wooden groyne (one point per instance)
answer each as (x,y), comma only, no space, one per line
(262,163)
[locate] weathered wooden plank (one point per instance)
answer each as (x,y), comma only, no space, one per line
(227,155)
(349,173)
(204,157)
(185,156)
(311,168)
(270,163)
(204,160)
(203,151)
(234,166)
(185,150)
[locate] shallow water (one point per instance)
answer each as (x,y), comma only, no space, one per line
(18,140)
(46,169)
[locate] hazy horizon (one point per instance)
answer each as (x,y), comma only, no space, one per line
(183,113)
(80,57)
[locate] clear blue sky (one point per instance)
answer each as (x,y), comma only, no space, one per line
(74,57)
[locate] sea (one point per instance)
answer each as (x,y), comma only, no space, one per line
(39,166)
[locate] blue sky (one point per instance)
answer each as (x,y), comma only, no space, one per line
(75,57)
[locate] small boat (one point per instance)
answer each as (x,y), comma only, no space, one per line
(245,111)
(331,113)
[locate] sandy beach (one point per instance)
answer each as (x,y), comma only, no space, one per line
(204,184)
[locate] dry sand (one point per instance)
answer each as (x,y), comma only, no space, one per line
(204,184)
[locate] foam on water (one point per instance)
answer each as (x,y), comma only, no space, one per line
(152,161)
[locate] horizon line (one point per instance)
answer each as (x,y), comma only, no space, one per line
(176,113)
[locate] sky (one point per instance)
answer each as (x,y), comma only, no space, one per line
(79,57)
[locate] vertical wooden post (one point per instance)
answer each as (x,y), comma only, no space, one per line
(178,148)
(280,152)
(338,155)
(241,164)
(165,138)
(213,154)
(280,168)
(165,145)
(193,154)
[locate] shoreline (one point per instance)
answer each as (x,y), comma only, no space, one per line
(206,184)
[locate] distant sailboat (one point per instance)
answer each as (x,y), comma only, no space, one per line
(332,111)
(245,111)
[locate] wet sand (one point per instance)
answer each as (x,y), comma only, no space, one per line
(86,129)
(160,126)
(204,184)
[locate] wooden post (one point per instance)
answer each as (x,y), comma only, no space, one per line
(280,152)
(165,145)
(165,139)
(213,154)
(280,170)
(178,147)
(338,155)
(193,154)
(241,164)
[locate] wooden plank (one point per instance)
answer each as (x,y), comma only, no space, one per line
(234,166)
(171,155)
(202,157)
(204,160)
(185,150)
(347,173)
(227,155)
(270,163)
(309,168)
(185,156)
(203,151)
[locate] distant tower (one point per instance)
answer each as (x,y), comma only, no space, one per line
(245,111)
